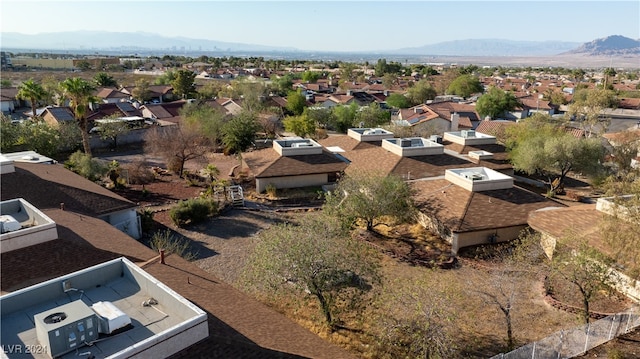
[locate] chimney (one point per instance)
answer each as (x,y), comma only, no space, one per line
(455,120)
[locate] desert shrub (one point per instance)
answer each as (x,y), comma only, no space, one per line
(168,242)
(192,211)
(615,354)
(271,190)
(86,166)
(139,173)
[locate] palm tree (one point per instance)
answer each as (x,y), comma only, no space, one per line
(32,91)
(80,94)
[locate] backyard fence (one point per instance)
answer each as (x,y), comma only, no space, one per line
(573,342)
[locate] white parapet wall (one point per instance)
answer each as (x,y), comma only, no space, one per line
(469,138)
(478,179)
(414,146)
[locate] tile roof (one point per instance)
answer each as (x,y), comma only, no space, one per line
(465,211)
(269,163)
(446,108)
(494,128)
(47,185)
(106,92)
(122,109)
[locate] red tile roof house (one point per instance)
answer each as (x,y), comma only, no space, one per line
(293,163)
(434,118)
(475,206)
(232,325)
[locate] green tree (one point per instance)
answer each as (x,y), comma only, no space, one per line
(420,92)
(344,117)
(316,257)
(609,72)
(281,85)
(207,120)
(347,71)
(5,83)
(252,93)
(539,147)
(322,117)
(80,94)
(587,108)
(465,86)
(370,197)
(112,128)
(296,103)
(301,125)
(33,92)
(103,79)
(388,80)
(310,76)
(10,134)
(141,92)
(496,102)
(166,79)
(86,166)
(397,100)
(240,132)
(184,83)
(373,116)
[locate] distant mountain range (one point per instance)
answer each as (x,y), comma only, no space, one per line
(128,42)
(615,45)
(124,41)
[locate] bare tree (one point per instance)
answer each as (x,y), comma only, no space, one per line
(176,144)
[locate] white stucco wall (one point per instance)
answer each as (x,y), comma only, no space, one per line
(126,221)
(292,181)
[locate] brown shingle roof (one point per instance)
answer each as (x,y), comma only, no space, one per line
(239,326)
(466,211)
(268,163)
(46,186)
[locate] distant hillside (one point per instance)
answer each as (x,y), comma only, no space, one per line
(103,40)
(615,45)
(491,47)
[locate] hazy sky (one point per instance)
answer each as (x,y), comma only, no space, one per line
(332,25)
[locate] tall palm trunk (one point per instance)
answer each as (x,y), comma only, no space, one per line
(86,145)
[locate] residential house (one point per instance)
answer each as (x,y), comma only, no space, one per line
(467,117)
(54,116)
(9,101)
(377,150)
(53,186)
(293,163)
(111,95)
(475,206)
(111,109)
(167,113)
(423,119)
(75,258)
(157,93)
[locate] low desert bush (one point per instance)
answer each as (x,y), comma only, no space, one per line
(170,243)
(192,211)
(138,172)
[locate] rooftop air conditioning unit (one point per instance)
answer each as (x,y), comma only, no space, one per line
(9,224)
(468,133)
(110,317)
(474,176)
(436,139)
(372,132)
(66,328)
